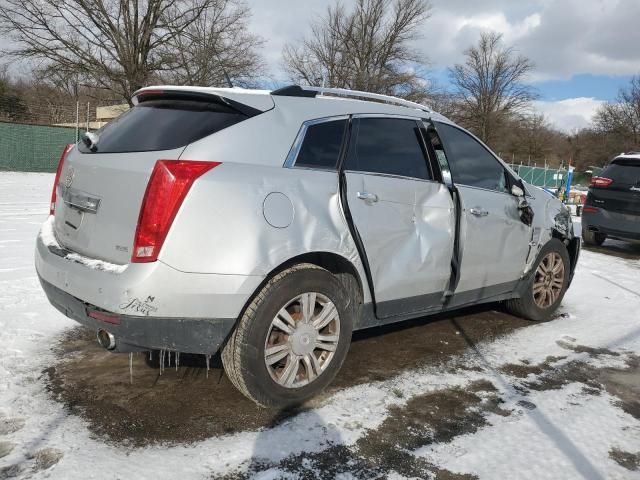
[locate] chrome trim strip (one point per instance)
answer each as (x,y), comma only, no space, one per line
(391,175)
(80,201)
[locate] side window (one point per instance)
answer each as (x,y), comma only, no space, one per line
(321,145)
(471,164)
(387,145)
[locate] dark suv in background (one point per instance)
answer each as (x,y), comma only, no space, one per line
(612,208)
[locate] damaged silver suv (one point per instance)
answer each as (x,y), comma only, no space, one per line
(270,225)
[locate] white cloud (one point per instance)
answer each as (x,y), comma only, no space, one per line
(563,38)
(571,114)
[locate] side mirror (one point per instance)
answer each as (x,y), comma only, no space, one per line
(516,191)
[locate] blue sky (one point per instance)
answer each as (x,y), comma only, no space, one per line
(583,50)
(600,87)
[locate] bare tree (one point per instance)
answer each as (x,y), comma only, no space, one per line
(217,46)
(117,45)
(622,118)
(490,85)
(12,105)
(368,48)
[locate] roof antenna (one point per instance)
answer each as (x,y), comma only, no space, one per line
(226,77)
(224,71)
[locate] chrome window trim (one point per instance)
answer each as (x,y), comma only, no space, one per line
(486,189)
(387,115)
(294,151)
(391,175)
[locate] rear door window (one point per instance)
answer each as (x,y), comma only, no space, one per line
(470,163)
(389,146)
(321,145)
(163,124)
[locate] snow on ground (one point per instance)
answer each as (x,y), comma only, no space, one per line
(559,431)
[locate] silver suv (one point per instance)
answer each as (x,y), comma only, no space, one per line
(270,225)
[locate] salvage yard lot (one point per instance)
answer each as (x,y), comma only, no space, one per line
(476,394)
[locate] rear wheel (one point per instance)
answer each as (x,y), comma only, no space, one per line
(546,285)
(292,338)
(593,238)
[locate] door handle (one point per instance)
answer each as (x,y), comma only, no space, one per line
(478,212)
(369,197)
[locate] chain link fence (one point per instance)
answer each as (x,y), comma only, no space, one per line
(541,176)
(32,135)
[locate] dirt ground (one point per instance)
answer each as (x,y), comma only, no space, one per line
(190,403)
(187,405)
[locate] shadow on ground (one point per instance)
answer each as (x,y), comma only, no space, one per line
(189,405)
(618,248)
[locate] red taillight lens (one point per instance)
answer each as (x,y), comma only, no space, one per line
(590,210)
(168,186)
(65,151)
(601,182)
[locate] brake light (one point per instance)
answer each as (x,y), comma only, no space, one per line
(589,209)
(601,182)
(167,188)
(52,206)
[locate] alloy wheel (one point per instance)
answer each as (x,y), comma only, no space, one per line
(549,280)
(302,340)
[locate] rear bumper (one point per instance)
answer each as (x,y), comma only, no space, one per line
(612,223)
(188,335)
(157,305)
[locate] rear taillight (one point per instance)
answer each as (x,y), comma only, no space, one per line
(65,151)
(601,182)
(168,186)
(589,209)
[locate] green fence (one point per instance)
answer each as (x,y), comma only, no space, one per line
(32,148)
(541,177)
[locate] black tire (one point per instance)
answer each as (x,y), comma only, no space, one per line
(592,238)
(525,306)
(243,354)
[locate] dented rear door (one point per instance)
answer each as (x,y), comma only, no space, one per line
(404,219)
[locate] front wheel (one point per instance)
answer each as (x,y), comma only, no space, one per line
(292,338)
(545,286)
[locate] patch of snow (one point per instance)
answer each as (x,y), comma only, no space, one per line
(48,237)
(567,435)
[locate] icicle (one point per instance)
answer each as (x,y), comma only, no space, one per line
(177,360)
(169,358)
(150,355)
(207,357)
(131,368)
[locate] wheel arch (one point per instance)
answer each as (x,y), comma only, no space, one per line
(572,243)
(338,265)
(334,263)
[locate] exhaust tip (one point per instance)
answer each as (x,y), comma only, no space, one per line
(106,340)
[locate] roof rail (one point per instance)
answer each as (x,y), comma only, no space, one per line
(305,91)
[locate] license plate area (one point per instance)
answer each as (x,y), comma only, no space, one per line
(72,222)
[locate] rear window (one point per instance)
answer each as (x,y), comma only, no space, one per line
(623,170)
(163,124)
(321,146)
